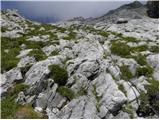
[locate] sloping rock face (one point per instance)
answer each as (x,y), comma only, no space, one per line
(109,67)
(135,10)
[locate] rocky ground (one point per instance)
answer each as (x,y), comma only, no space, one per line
(75,70)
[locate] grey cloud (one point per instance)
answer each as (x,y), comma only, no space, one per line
(66,10)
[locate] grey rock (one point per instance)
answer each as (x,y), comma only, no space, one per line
(154,62)
(107,90)
(48,49)
(57,101)
(122,115)
(21,98)
(26,61)
(121,21)
(9,77)
(39,70)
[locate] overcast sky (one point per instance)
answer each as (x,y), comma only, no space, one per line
(52,11)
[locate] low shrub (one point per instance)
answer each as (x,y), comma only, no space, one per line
(67,92)
(38,54)
(58,74)
(149,103)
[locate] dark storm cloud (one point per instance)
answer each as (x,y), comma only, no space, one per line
(62,10)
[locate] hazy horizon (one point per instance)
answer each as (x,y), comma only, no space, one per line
(54,11)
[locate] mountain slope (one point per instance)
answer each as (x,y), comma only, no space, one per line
(135,10)
(75,70)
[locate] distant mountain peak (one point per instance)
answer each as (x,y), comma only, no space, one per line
(134,10)
(135,4)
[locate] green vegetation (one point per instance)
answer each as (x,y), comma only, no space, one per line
(9,60)
(140,48)
(67,92)
(128,109)
(103,33)
(125,73)
(16,89)
(154,49)
(27,112)
(82,91)
(9,50)
(149,103)
(55,52)
(3,29)
(130,39)
(120,49)
(58,74)
(71,36)
(144,70)
(12,110)
(141,60)
(97,97)
(38,54)
(8,105)
(60,29)
(120,35)
(36,44)
(121,88)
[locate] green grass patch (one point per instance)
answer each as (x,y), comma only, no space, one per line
(130,39)
(125,73)
(13,91)
(104,34)
(67,92)
(121,88)
(8,104)
(8,107)
(55,52)
(58,74)
(120,49)
(8,59)
(140,48)
(141,60)
(144,70)
(38,55)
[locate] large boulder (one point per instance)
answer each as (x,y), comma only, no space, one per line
(107,90)
(9,77)
(40,70)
